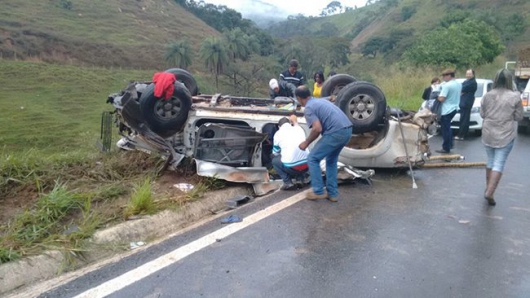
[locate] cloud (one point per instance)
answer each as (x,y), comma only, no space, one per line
(278,9)
(258,7)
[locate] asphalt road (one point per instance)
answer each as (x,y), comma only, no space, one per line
(385,240)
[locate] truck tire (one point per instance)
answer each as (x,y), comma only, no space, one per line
(186,78)
(364,104)
(334,84)
(166,117)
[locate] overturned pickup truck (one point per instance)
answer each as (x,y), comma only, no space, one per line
(231,137)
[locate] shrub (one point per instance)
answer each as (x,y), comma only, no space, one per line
(66,4)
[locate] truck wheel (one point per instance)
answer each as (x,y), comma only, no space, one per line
(334,84)
(186,78)
(364,104)
(166,117)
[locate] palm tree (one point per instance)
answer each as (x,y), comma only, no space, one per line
(213,54)
(237,44)
(179,54)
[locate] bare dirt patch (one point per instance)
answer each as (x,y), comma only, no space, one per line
(12,205)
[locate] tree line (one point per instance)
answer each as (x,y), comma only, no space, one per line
(245,56)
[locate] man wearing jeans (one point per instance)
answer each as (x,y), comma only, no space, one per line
(450,98)
(289,161)
(323,117)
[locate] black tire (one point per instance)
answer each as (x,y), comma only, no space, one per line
(166,117)
(186,78)
(334,84)
(364,104)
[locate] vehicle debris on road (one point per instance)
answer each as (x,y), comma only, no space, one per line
(231,219)
(238,201)
(184,187)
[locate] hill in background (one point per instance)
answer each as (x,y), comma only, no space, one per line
(410,19)
(119,33)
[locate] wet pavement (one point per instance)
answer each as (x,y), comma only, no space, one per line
(440,240)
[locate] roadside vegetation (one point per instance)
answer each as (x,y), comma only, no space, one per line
(58,204)
(56,187)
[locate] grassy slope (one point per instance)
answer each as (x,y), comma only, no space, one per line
(345,22)
(97,32)
(57,108)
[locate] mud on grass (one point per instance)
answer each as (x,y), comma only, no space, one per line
(58,205)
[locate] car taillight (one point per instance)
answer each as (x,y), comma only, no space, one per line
(525,99)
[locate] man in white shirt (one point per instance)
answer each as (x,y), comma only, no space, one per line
(289,161)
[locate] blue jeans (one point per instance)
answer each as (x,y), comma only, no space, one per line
(328,147)
(447,133)
(286,173)
(497,156)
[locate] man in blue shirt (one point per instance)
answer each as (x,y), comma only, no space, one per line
(323,117)
(450,98)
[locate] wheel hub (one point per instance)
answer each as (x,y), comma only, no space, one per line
(167,109)
(362,107)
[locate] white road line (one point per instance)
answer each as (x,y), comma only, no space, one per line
(180,253)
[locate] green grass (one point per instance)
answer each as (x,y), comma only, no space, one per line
(142,201)
(105,33)
(44,224)
(57,108)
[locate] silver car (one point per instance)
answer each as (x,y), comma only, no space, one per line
(231,137)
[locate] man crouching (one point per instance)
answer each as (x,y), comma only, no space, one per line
(290,162)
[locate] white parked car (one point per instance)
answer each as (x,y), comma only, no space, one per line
(475,121)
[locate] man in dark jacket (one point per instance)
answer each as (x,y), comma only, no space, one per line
(467,98)
(281,88)
(292,75)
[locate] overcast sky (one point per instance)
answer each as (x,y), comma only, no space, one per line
(290,7)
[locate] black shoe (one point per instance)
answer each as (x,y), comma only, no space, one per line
(288,186)
(491,201)
(442,151)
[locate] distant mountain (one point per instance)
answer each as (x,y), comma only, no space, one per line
(120,33)
(410,19)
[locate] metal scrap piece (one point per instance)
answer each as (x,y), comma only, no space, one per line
(233,174)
